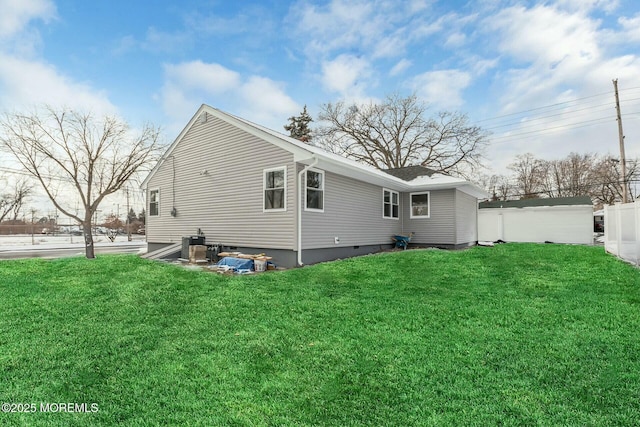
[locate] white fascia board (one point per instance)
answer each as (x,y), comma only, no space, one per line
(473,190)
(444,182)
(360,173)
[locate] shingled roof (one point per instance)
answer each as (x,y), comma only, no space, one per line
(557,201)
(409,173)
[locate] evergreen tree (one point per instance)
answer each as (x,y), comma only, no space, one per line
(298,127)
(132,216)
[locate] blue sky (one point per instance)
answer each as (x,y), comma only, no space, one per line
(537,74)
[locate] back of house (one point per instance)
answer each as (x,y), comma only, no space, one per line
(247,188)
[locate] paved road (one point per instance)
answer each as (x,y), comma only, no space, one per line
(58,250)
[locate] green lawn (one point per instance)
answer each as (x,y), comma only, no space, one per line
(518,334)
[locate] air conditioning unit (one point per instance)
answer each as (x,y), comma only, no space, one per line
(190,241)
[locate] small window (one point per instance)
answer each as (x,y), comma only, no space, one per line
(275,189)
(420,205)
(390,204)
(154,202)
(315,191)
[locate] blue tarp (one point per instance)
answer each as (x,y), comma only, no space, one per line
(237,264)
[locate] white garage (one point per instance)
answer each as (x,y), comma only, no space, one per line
(558,220)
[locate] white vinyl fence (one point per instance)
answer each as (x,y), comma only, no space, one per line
(622,231)
(559,224)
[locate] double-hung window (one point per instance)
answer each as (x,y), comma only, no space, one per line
(154,202)
(420,205)
(390,204)
(275,189)
(314,198)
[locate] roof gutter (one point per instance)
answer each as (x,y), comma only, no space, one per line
(299,205)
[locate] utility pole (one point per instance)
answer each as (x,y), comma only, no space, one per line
(623,161)
(33,220)
(126,189)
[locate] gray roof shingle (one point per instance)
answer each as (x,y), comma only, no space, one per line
(558,201)
(409,173)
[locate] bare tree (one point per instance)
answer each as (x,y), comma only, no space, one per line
(498,186)
(11,201)
(95,157)
(397,133)
(529,175)
(608,180)
(569,177)
(599,177)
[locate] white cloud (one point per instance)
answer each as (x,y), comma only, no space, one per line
(213,24)
(455,40)
(555,50)
(16,14)
(554,53)
(212,78)
(391,46)
(379,28)
(480,65)
(451,26)
(347,39)
(346,75)
(442,88)
(162,41)
(340,24)
(545,35)
(400,67)
(189,84)
(24,84)
(418,5)
(631,27)
(124,45)
(266,102)
(548,49)
(25,81)
(588,5)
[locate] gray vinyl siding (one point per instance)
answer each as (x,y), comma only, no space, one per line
(352,212)
(440,228)
(466,218)
(226,203)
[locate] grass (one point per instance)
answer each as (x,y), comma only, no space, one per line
(519,334)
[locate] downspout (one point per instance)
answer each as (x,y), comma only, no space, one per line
(300,201)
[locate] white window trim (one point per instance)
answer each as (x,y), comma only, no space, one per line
(264,189)
(411,215)
(149,202)
(305,190)
(391,201)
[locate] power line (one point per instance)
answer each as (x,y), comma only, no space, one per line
(585,104)
(542,107)
(509,137)
(529,121)
(25,173)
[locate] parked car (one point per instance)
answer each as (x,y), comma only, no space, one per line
(141,230)
(598,226)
